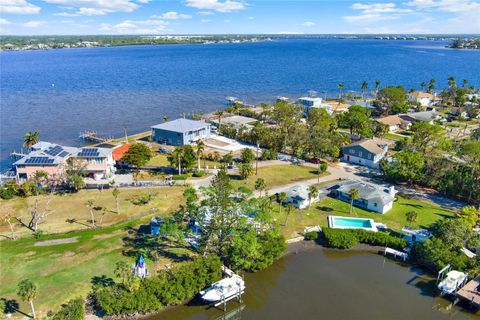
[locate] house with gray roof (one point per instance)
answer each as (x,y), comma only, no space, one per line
(422,116)
(372,197)
(180,132)
(298,196)
(367,152)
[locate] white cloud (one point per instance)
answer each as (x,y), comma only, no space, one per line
(172,15)
(205,13)
(205,20)
(150,26)
(216,5)
(18,7)
(308,24)
(454,6)
(33,24)
(95,7)
(370,12)
(4,22)
(251,18)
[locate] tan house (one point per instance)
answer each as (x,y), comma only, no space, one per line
(395,122)
(424,98)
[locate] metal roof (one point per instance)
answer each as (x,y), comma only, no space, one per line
(181,125)
(367,191)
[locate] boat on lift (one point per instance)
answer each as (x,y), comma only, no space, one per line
(453,281)
(224,289)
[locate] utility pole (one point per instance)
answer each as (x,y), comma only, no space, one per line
(126,136)
(256,165)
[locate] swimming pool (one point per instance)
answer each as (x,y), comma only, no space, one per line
(336,222)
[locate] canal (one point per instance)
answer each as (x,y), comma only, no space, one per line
(319,283)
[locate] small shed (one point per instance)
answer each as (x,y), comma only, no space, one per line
(155,224)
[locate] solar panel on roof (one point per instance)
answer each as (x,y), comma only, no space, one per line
(89,152)
(39,160)
(54,151)
(63,154)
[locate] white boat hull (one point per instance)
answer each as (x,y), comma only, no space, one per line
(223,290)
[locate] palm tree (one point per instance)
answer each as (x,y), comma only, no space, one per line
(165,118)
(431,85)
(116,193)
(289,210)
(27,291)
(219,114)
(89,205)
(452,82)
(411,217)
(354,195)
(341,86)
(260,185)
(282,197)
(423,85)
(200,149)
(377,85)
(312,194)
(464,83)
(30,138)
(364,88)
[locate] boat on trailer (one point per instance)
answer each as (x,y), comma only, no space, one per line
(224,289)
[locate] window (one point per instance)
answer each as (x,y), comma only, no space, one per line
(352,151)
(375,204)
(359,153)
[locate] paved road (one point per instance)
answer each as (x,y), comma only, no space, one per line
(348,171)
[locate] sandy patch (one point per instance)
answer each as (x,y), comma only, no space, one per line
(55,242)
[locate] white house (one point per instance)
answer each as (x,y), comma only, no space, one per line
(371,197)
(298,196)
(424,98)
(312,102)
(367,152)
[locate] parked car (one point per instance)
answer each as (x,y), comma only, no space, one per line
(163,150)
(314,160)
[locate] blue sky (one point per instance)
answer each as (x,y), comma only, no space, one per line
(33,17)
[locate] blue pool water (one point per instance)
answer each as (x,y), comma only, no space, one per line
(63,92)
(352,223)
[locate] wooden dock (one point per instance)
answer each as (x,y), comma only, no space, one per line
(92,136)
(471,292)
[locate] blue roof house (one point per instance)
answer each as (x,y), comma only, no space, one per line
(180,132)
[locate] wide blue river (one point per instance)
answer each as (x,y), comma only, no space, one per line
(63,92)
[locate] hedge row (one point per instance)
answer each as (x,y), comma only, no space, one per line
(348,238)
(168,288)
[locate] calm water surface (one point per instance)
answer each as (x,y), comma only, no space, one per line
(63,92)
(331,285)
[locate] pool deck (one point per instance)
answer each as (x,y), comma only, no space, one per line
(470,292)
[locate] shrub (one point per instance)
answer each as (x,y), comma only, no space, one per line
(168,288)
(347,238)
(323,167)
(269,154)
(341,239)
(312,235)
(6,193)
(72,310)
(182,176)
(199,174)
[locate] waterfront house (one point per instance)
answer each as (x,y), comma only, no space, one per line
(371,197)
(338,107)
(423,98)
(298,197)
(309,103)
(54,159)
(44,156)
(395,123)
(97,163)
(415,235)
(366,152)
(180,132)
(236,121)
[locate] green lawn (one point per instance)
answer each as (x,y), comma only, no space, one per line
(277,175)
(65,271)
(161,160)
(394,219)
(394,137)
(69,212)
